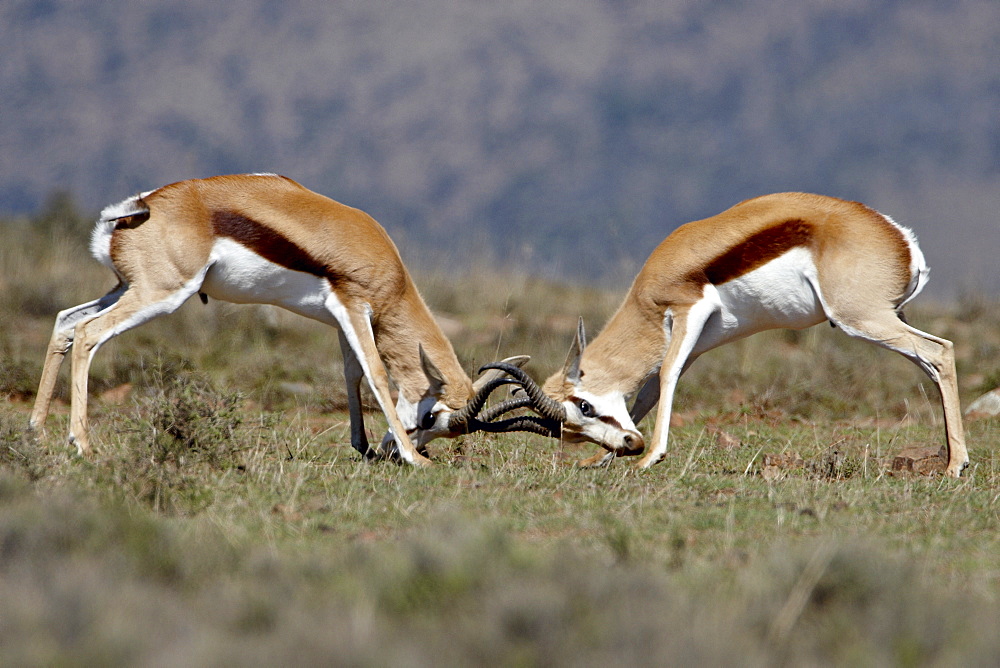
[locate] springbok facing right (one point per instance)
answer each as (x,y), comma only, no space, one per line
(788,260)
(265,239)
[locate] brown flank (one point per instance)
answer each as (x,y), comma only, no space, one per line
(756,251)
(267,243)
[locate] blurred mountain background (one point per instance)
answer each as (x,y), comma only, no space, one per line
(560,138)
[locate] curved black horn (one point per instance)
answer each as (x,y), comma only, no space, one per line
(459,420)
(493,412)
(543,403)
(535,425)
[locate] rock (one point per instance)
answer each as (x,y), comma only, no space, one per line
(785,460)
(773,467)
(922,461)
(986,406)
(725,440)
(771,473)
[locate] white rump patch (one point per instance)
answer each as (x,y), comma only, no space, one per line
(918,265)
(100,238)
(100,242)
(132,206)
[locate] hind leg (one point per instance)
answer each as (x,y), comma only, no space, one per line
(59,345)
(937,359)
(134,307)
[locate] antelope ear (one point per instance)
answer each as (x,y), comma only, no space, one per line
(434,375)
(492,374)
(572,367)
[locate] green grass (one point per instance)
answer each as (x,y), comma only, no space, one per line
(286,545)
(225,519)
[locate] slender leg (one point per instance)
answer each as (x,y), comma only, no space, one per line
(355,323)
(134,307)
(59,345)
(685,329)
(937,359)
(353,374)
(600,459)
(647,397)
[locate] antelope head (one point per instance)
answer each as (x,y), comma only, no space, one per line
(577,413)
(433,417)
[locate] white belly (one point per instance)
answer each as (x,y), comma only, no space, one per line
(241,276)
(777,295)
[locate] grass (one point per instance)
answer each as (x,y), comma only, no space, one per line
(225,519)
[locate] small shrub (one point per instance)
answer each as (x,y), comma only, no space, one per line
(849,600)
(19,452)
(17,379)
(185,429)
(131,364)
(191,419)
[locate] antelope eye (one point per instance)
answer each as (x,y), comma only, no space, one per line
(427,420)
(587,410)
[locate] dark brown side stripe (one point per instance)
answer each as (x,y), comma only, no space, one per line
(267,243)
(755,252)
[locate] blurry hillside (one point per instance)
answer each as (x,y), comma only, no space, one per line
(565,138)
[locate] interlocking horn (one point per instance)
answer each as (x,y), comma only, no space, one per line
(545,405)
(460,420)
(493,412)
(536,425)
(485,421)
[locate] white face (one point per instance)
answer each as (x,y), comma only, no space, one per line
(432,421)
(424,420)
(601,419)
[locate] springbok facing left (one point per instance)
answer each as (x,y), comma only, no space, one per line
(787,260)
(265,239)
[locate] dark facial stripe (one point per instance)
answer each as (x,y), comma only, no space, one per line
(267,243)
(757,251)
(606,419)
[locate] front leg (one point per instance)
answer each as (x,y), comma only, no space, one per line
(646,398)
(601,459)
(353,374)
(685,324)
(355,324)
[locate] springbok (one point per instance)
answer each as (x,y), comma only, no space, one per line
(265,239)
(787,260)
